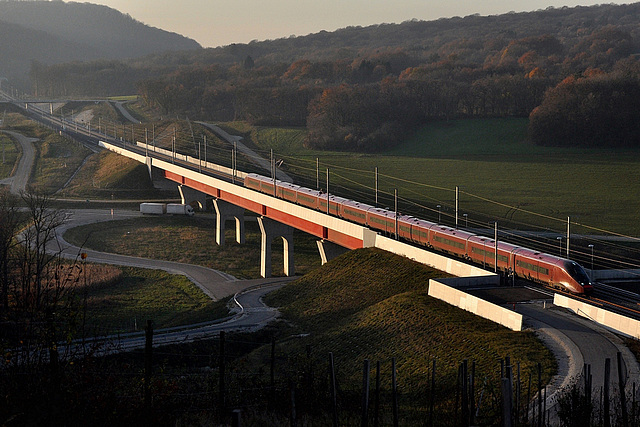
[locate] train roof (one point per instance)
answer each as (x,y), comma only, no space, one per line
(451,231)
(357,205)
(537,255)
(310,191)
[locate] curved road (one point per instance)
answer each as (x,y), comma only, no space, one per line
(576,341)
(18,182)
(253,313)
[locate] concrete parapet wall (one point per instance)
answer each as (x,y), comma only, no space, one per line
(614,274)
(439,262)
(479,307)
(615,321)
(192,160)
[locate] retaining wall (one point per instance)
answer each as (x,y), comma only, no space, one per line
(615,321)
(440,289)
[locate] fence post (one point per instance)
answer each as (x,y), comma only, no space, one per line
(472,394)
(148,362)
(605,398)
(273,364)
(506,402)
(376,420)
(539,395)
(394,391)
(294,419)
(623,399)
(334,403)
(236,419)
(432,395)
(221,373)
(365,394)
(465,390)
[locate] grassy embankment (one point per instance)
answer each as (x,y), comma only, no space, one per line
(488,159)
(9,155)
(386,313)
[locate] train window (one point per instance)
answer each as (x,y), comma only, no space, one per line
(449,242)
(354,213)
(577,272)
(490,254)
(306,198)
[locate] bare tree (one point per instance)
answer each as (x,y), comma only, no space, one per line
(9,225)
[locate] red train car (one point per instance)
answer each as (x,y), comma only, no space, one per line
(536,266)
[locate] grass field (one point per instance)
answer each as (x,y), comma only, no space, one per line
(192,240)
(9,155)
(500,175)
(124,305)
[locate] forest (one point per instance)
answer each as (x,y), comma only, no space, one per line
(573,71)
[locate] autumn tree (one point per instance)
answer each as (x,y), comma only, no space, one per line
(597,111)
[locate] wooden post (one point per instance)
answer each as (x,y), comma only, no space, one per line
(221,373)
(394,392)
(365,394)
(472,394)
(433,392)
(633,405)
(308,379)
(236,419)
(458,385)
(605,397)
(539,395)
(529,400)
(509,376)
(293,422)
(623,399)
(273,364)
(376,419)
(518,402)
(506,400)
(465,389)
(148,363)
(334,403)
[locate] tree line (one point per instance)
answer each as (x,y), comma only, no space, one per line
(366,89)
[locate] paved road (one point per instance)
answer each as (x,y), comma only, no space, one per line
(252,314)
(576,341)
(214,283)
(19,180)
(120,106)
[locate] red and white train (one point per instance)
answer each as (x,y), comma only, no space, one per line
(540,267)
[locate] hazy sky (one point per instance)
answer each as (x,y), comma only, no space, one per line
(221,22)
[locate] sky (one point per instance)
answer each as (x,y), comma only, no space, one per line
(215,23)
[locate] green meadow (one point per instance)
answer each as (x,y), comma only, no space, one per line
(500,175)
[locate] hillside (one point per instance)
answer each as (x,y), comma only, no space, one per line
(54,32)
(387,314)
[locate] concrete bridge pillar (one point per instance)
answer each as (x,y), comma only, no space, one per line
(189,196)
(224,211)
(270,230)
(329,250)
